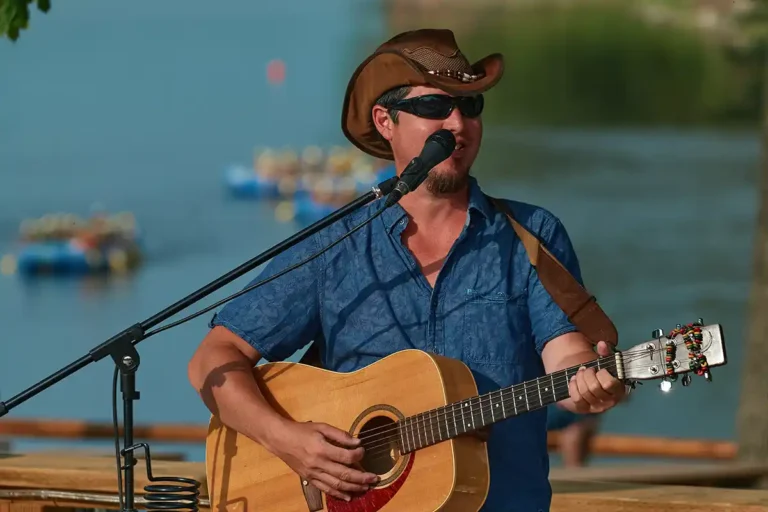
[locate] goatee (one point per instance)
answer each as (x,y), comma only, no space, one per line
(446,184)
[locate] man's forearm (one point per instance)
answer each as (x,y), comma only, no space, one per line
(224,379)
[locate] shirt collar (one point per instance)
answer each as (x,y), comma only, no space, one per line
(392,215)
(478,202)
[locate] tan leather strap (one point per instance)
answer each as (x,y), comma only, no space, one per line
(579,305)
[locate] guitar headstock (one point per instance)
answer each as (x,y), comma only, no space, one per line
(693,348)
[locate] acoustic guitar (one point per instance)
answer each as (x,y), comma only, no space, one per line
(410,410)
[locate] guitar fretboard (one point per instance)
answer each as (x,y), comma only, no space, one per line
(431,427)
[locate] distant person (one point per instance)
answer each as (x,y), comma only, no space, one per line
(575,433)
(443,270)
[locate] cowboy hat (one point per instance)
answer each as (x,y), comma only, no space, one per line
(419,57)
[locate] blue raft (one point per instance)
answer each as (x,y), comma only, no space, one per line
(244,183)
(308,211)
(68,258)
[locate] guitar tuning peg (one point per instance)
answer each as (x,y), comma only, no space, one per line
(700,321)
(708,376)
(631,385)
(686,380)
(665,385)
(657,333)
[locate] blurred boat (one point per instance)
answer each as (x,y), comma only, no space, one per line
(286,175)
(69,245)
(273,175)
(244,183)
(328,195)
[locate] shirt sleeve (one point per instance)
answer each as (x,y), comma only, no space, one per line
(548,321)
(282,316)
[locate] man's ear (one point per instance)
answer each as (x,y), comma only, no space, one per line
(382,121)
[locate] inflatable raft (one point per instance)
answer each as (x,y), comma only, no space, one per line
(68,245)
(242,182)
(309,207)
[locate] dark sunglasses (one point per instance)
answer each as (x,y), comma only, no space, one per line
(440,106)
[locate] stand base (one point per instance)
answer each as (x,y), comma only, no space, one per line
(167,492)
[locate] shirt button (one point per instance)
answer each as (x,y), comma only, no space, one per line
(402,222)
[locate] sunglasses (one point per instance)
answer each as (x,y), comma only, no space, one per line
(440,106)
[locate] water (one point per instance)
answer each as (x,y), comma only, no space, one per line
(141,108)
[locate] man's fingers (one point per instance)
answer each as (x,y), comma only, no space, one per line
(343,455)
(576,398)
(338,436)
(604,349)
(358,480)
(339,485)
(594,385)
(327,489)
(613,386)
(584,391)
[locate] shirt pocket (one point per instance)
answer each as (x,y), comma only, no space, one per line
(495,327)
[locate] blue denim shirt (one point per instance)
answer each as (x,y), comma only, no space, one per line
(366,298)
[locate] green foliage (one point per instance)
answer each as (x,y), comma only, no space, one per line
(602,64)
(14,16)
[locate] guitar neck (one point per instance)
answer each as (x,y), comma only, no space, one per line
(431,427)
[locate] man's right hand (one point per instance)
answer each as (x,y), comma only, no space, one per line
(322,455)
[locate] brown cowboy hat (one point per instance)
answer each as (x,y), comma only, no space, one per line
(419,57)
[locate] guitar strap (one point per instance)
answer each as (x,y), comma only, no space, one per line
(577,303)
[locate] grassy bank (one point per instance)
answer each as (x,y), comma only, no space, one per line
(601,64)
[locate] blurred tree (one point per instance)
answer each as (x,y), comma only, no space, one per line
(753,405)
(14,16)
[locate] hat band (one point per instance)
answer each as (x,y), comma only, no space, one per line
(458,75)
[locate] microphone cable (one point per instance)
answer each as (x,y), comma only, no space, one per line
(437,148)
(264,281)
(186,496)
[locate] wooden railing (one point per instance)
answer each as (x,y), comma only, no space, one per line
(603,444)
(40,483)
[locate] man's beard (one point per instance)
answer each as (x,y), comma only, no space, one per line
(441,183)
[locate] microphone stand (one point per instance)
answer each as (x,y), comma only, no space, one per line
(122,346)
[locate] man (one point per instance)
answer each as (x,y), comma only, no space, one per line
(441,271)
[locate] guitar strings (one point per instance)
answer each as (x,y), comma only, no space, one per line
(559,374)
(460,417)
(412,429)
(386,445)
(388,432)
(380,450)
(430,414)
(633,355)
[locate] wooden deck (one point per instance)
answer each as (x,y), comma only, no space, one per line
(40,482)
(70,479)
(612,497)
(723,474)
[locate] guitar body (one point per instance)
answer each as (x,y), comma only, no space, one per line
(452,475)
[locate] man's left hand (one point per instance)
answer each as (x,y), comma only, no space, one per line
(595,392)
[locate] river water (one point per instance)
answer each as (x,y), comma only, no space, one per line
(141,107)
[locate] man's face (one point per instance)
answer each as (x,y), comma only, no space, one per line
(408,135)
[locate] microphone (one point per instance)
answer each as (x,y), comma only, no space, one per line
(438,147)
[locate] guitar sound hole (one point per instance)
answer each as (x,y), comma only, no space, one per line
(379,436)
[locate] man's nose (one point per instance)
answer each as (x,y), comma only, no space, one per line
(454,122)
